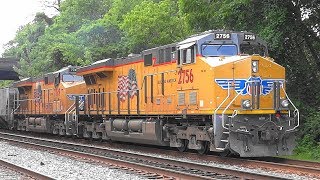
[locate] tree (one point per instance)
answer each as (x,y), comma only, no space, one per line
(56,4)
(21,47)
(152,24)
(75,13)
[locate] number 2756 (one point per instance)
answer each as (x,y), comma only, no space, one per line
(185,76)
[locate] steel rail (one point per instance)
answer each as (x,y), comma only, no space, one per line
(301,163)
(165,173)
(274,163)
(172,168)
(25,171)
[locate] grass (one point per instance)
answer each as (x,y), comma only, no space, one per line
(307,149)
(302,156)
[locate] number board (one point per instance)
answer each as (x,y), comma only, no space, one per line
(73,69)
(249,37)
(222,36)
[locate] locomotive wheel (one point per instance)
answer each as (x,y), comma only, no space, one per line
(87,134)
(225,153)
(205,148)
(184,146)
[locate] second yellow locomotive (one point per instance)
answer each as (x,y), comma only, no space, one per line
(215,91)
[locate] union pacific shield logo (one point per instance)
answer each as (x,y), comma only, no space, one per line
(243,86)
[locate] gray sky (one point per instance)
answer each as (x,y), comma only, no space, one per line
(15,13)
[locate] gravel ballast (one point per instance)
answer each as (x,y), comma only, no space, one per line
(135,149)
(57,167)
(9,174)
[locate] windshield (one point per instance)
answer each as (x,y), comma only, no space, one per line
(71,78)
(219,50)
(253,49)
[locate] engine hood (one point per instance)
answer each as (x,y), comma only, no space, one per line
(218,61)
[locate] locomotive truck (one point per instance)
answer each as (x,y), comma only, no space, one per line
(215,91)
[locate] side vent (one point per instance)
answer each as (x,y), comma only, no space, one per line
(101,75)
(193,98)
(181,98)
(89,79)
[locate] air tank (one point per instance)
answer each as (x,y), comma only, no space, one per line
(135,125)
(120,124)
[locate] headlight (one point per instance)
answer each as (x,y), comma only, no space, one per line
(246,104)
(255,66)
(254,69)
(284,103)
(254,63)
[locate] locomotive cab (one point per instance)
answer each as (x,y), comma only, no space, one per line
(44,98)
(243,89)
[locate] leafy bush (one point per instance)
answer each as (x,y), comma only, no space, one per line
(307,148)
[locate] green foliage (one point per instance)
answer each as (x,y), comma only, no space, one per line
(203,15)
(75,13)
(5,83)
(100,40)
(307,148)
(26,38)
(153,24)
(89,30)
(312,125)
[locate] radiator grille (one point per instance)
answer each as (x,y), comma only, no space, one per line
(193,98)
(181,98)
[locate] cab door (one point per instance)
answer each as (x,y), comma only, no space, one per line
(187,90)
(56,106)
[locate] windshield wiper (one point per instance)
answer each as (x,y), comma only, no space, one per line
(206,45)
(219,47)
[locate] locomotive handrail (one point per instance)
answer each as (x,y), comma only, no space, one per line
(16,109)
(77,119)
(215,112)
(227,107)
(70,110)
(295,112)
(97,93)
(27,99)
(66,115)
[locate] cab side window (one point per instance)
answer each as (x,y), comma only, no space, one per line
(166,55)
(148,60)
(187,56)
(57,80)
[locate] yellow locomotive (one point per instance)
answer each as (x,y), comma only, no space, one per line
(215,91)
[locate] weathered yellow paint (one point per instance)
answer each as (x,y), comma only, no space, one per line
(52,99)
(209,95)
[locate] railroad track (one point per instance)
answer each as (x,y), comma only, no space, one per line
(271,163)
(150,166)
(25,171)
(281,165)
(298,167)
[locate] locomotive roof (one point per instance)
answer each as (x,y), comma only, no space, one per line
(28,81)
(109,64)
(23,82)
(222,37)
(196,37)
(101,65)
(159,47)
(192,39)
